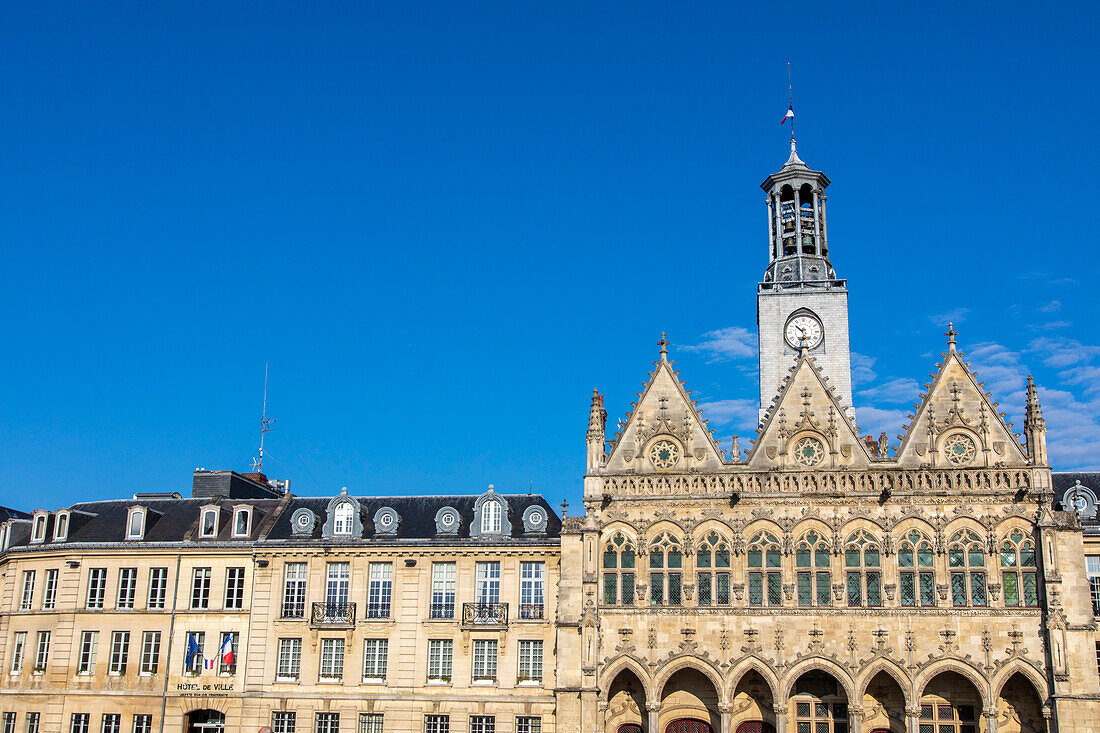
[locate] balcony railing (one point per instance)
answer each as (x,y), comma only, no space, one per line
(530,611)
(485,614)
(378,610)
(442,610)
(333,614)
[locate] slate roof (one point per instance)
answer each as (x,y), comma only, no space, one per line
(1064,481)
(417,515)
(172,520)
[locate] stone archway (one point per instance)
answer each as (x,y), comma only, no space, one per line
(884,705)
(204,721)
(818,702)
(753,705)
(626,704)
(1019,709)
(952,703)
(688,695)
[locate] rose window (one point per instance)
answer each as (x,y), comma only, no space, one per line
(664,454)
(809,451)
(959,448)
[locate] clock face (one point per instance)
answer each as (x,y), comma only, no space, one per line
(803,328)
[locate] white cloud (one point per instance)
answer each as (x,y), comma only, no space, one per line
(863,370)
(1051,307)
(894,390)
(727,344)
(1061,351)
(741,413)
(873,420)
(957,315)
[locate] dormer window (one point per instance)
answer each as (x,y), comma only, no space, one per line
(135,524)
(61,525)
(38,531)
(342,523)
(242,521)
(209,524)
(5,535)
(490,517)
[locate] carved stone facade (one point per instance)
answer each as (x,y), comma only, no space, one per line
(823,581)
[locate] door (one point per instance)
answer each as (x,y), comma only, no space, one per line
(205,721)
(688,725)
(755,726)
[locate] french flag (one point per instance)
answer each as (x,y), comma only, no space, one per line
(789,115)
(227,651)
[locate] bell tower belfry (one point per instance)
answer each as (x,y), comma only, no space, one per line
(800,301)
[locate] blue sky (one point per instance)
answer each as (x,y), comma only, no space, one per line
(444,224)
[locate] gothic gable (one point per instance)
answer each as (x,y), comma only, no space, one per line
(807,427)
(957,425)
(664,432)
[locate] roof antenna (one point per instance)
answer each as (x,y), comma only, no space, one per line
(265,422)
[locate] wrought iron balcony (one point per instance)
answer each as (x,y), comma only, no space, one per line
(442,611)
(333,614)
(485,615)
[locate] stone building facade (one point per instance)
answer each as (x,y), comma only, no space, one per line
(244,608)
(820,581)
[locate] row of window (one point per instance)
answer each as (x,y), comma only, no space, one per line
(380,588)
(81,723)
(286,721)
(862,572)
(440,660)
(89,652)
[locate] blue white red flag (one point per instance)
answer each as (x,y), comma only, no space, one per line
(789,115)
(227,650)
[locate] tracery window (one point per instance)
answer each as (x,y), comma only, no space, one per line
(712,561)
(1019,577)
(765,575)
(618,572)
(665,564)
(917,578)
(966,559)
(813,584)
(863,563)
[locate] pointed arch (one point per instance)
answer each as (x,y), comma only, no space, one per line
(893,670)
(662,526)
(965,669)
(812,524)
(1026,670)
(753,664)
(820,664)
(690,661)
(616,666)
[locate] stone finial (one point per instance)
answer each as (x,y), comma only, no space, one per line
(597,419)
(951,333)
(564,508)
(663,344)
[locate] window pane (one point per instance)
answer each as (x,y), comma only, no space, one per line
(805,589)
(627,558)
(905,557)
(755,558)
(722,588)
(977,589)
(775,589)
(702,559)
(722,559)
(773,557)
(855,589)
(927,589)
(874,589)
(851,557)
(704,589)
(1012,591)
(924,555)
(628,589)
(610,582)
(958,589)
(823,580)
(756,589)
(674,589)
(1031,591)
(802,557)
(871,557)
(908,589)
(821,558)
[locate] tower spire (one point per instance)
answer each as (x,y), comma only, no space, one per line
(1035,426)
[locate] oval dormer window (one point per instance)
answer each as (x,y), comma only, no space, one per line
(342,523)
(490,518)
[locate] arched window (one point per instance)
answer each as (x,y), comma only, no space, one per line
(862,563)
(917,578)
(342,519)
(813,584)
(490,517)
(764,571)
(966,559)
(665,564)
(1018,573)
(713,564)
(618,572)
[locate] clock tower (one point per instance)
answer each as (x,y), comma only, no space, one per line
(801,302)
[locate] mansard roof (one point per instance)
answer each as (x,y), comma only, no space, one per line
(174,520)
(1087,485)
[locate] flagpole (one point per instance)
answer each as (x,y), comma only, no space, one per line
(790,98)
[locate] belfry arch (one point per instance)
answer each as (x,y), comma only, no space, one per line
(626,703)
